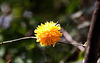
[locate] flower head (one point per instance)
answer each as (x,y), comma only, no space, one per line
(48,33)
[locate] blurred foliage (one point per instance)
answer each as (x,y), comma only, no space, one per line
(28,51)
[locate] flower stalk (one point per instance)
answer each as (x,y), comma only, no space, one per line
(15,40)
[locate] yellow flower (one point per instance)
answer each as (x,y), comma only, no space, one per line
(48,33)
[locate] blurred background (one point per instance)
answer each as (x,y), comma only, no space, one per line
(19,18)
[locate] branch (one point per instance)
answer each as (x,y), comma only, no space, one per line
(71,41)
(5,42)
(93,40)
(76,44)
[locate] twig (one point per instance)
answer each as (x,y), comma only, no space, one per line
(71,41)
(77,44)
(16,40)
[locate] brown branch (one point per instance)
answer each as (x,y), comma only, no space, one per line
(93,40)
(70,40)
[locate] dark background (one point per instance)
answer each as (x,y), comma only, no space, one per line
(73,15)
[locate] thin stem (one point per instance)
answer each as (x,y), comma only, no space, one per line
(17,40)
(5,42)
(76,44)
